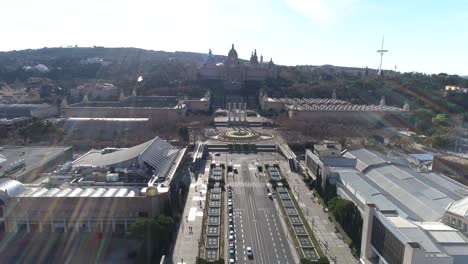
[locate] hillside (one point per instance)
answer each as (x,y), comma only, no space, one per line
(174,73)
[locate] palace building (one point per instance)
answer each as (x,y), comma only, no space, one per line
(235,70)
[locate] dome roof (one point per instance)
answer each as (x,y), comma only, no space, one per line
(232,53)
(11,188)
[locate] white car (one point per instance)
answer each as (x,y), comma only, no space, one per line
(249,252)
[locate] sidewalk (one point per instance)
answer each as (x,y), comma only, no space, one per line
(186,247)
(324,230)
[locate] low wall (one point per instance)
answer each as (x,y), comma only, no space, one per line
(368,118)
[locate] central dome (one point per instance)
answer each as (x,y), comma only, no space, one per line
(232,53)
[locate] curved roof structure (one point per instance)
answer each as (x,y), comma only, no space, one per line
(156,153)
(11,188)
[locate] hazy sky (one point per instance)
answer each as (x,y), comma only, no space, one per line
(421,35)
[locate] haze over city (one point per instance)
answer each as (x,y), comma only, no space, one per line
(422,36)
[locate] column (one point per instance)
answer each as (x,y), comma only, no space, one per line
(234,110)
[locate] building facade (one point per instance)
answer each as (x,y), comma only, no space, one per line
(390,239)
(102,191)
(235,70)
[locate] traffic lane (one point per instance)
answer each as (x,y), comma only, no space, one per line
(242,230)
(276,243)
(251,232)
(276,248)
(258,209)
(241,217)
(277,238)
(256,222)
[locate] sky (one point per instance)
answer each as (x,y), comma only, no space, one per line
(428,36)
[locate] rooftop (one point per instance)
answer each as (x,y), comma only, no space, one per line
(157,154)
(135,102)
(12,188)
(436,239)
(30,156)
(393,186)
(328,104)
(459,208)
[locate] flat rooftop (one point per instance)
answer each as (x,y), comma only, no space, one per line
(32,157)
(135,102)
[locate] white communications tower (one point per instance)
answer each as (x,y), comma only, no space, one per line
(382,52)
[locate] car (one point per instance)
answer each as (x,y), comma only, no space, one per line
(249,252)
(231,238)
(231,227)
(230,214)
(270,195)
(231,260)
(232,253)
(230,203)
(217,154)
(231,244)
(229,195)
(231,232)
(231,221)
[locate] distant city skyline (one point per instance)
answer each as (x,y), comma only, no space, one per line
(422,36)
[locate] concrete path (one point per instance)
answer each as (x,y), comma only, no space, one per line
(186,247)
(324,230)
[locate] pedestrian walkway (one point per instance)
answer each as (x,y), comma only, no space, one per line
(186,247)
(324,230)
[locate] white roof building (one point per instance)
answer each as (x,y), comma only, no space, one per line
(456,215)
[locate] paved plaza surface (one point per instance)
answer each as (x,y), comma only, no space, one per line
(256,217)
(324,230)
(186,248)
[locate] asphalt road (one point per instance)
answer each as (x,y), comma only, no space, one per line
(256,220)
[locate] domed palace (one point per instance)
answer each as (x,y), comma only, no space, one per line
(235,70)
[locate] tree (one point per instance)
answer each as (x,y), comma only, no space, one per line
(441,120)
(439,141)
(306,261)
(184,134)
(156,234)
(424,115)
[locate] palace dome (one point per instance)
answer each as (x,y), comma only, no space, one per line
(232,53)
